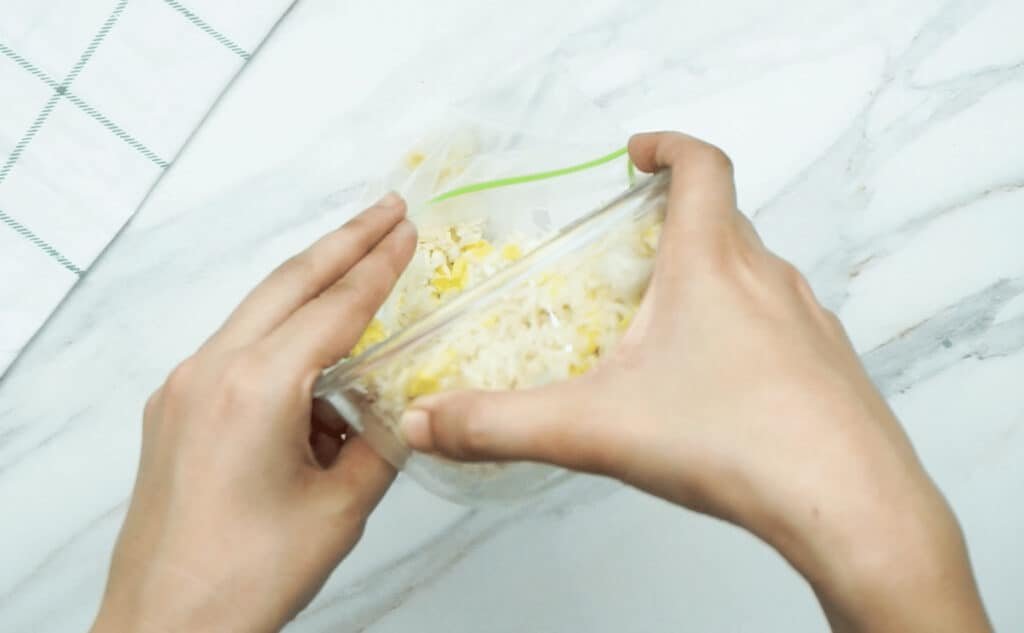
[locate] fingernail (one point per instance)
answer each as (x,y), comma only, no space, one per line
(390,199)
(415,426)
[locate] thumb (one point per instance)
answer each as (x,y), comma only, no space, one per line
(556,424)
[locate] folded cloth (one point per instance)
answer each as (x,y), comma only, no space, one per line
(97,98)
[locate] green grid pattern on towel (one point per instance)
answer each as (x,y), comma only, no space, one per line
(62,90)
(44,114)
(209,30)
(39,243)
(84,106)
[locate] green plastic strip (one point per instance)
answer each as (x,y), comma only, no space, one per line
(543,175)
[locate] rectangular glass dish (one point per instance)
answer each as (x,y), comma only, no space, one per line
(485,308)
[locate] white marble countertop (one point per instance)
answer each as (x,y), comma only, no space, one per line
(879,145)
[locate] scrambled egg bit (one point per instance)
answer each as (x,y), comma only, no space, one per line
(454,275)
(427,379)
(455,257)
(374,333)
(556,326)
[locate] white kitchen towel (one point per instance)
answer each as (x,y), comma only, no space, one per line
(97,98)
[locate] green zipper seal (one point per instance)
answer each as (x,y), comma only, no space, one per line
(542,175)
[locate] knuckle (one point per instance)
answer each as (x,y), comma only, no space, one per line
(673,147)
(564,439)
(180,379)
(356,225)
(476,433)
(714,157)
(712,261)
(299,269)
(354,523)
(296,265)
(792,276)
(357,233)
(581,434)
(398,253)
(152,406)
(391,266)
(364,231)
(833,322)
(343,510)
(344,291)
(359,298)
(476,437)
(242,379)
(385,263)
(151,411)
(722,258)
(349,518)
(597,457)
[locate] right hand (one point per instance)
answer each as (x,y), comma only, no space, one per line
(735,393)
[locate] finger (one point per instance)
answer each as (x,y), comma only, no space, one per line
(553,424)
(702,195)
(358,478)
(307,274)
(323,331)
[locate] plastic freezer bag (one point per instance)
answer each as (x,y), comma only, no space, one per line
(510,287)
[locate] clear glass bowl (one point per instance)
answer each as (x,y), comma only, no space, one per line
(548,315)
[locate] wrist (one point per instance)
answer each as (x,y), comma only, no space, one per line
(898,568)
(171,615)
(159,598)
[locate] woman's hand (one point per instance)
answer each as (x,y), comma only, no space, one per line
(246,498)
(736,394)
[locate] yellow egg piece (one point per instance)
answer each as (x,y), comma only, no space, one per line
(580,368)
(414,159)
(460,272)
(511,252)
(373,334)
(650,238)
(454,279)
(478,249)
(591,334)
(490,322)
(627,318)
(427,380)
(422,384)
(555,284)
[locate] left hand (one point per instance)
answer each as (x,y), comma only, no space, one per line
(246,498)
